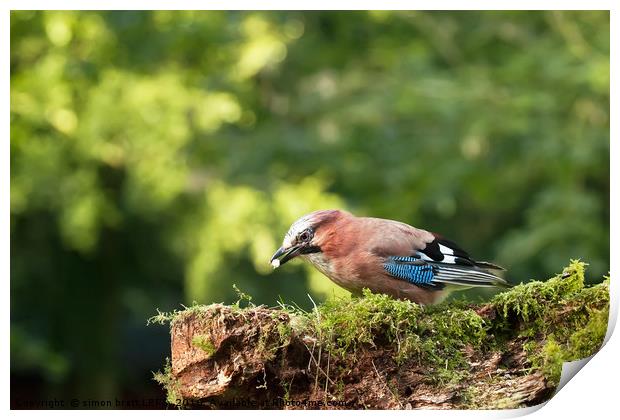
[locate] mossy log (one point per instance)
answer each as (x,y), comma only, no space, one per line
(377,352)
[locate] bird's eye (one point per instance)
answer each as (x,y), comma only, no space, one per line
(305,236)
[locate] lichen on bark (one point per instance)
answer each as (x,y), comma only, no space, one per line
(377,352)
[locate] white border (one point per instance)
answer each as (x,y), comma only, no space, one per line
(591,395)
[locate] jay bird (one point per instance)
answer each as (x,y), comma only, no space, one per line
(384,256)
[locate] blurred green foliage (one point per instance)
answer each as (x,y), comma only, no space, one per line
(159,157)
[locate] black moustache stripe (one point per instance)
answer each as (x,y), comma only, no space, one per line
(311,250)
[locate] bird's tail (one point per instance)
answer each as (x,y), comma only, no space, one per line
(491,266)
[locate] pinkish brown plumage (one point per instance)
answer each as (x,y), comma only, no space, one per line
(384,256)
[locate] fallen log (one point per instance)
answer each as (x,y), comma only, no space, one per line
(377,352)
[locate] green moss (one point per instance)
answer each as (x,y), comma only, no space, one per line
(170,384)
(435,334)
(285,331)
(452,328)
(263,345)
(586,341)
(274,336)
(344,324)
(569,327)
(163,318)
(583,341)
(533,300)
(204,343)
(549,360)
(597,295)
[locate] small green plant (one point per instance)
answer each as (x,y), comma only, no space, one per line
(241,297)
(204,343)
(166,379)
(163,318)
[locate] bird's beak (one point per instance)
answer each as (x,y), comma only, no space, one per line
(283,255)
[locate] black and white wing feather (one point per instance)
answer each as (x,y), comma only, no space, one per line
(444,263)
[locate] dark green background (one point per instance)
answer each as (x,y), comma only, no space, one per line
(158,158)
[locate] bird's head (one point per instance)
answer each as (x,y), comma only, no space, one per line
(307,235)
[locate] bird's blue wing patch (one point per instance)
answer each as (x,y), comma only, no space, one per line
(412,269)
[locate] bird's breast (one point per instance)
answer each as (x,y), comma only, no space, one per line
(339,273)
(322,264)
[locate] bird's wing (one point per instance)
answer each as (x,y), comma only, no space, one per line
(429,260)
(445,251)
(436,275)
